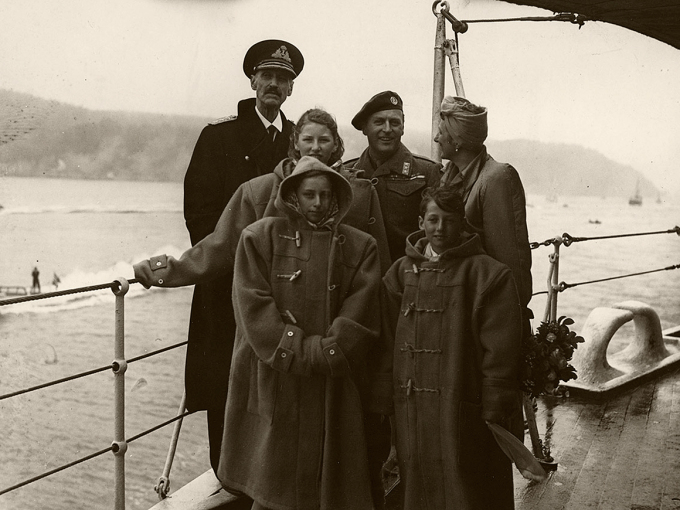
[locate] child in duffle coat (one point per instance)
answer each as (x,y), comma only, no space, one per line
(453,316)
(305,299)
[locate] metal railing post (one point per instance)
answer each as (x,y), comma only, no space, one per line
(119,366)
(550,313)
(555,283)
(162,488)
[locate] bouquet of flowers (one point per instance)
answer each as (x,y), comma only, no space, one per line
(546,355)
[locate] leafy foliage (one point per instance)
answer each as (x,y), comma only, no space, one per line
(546,355)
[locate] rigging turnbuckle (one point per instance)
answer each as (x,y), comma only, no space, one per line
(460,27)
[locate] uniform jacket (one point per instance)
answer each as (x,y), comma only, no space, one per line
(495,206)
(227,154)
(455,328)
(400,182)
(304,302)
(214,255)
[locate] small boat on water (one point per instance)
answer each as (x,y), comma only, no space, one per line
(13,291)
(636,199)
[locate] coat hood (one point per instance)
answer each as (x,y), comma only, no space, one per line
(471,244)
(307,164)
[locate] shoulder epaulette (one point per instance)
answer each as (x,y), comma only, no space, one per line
(425,158)
(223,119)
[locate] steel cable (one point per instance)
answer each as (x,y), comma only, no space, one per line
(564,285)
(55,470)
(89,372)
(56,293)
(90,456)
(567,239)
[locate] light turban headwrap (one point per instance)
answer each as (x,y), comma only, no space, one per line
(464,120)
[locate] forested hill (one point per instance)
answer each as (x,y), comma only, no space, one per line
(49,139)
(60,140)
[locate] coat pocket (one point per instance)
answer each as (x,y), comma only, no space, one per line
(263,389)
(473,438)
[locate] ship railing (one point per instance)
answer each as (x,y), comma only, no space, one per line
(118,366)
(554,286)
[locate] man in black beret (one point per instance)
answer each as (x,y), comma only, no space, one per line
(229,152)
(400,176)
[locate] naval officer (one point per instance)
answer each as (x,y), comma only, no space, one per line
(229,152)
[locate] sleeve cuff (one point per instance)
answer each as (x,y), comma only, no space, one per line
(337,362)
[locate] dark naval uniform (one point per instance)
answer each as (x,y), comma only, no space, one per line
(400,182)
(228,153)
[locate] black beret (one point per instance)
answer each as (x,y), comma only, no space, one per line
(387,100)
(273,54)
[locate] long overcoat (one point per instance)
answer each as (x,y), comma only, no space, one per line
(455,325)
(305,305)
(228,153)
(495,206)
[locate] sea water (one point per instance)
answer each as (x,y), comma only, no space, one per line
(91,232)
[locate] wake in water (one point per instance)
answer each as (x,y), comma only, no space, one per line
(93,208)
(79,278)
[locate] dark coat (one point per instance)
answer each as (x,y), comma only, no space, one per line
(455,326)
(304,301)
(227,154)
(400,182)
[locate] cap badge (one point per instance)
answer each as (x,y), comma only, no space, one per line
(393,100)
(282,53)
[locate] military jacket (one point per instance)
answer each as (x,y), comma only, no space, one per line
(400,182)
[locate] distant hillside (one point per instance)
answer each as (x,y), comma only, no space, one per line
(60,140)
(45,138)
(563,169)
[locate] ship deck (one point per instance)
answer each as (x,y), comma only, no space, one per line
(618,453)
(621,452)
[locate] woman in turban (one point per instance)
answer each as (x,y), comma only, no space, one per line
(495,204)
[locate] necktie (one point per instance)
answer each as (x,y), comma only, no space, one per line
(272,132)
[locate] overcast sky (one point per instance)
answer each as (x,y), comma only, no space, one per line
(602,86)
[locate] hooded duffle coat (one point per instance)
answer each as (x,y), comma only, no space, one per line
(305,301)
(455,329)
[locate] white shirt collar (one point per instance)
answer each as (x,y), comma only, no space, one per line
(430,253)
(278,123)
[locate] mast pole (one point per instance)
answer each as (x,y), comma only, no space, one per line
(438,84)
